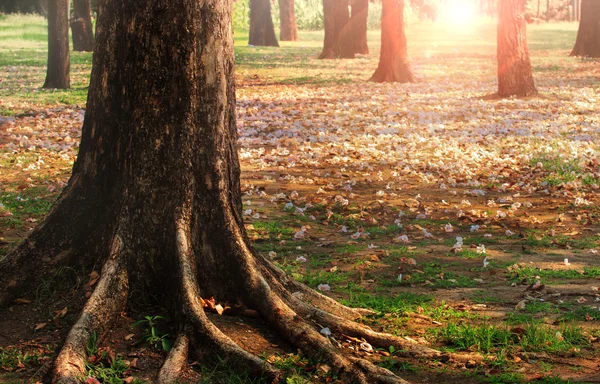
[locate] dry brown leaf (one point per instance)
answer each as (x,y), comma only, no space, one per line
(40,326)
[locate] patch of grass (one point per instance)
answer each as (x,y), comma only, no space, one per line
(532,337)
(531,272)
(468,253)
(562,241)
(400,303)
(581,314)
(540,307)
(103,364)
(274,229)
(13,359)
(334,279)
(392,229)
(505,378)
(520,318)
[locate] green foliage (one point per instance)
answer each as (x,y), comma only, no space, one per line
(152,336)
(12,359)
(400,303)
(532,337)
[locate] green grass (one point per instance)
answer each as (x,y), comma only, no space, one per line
(530,273)
(531,337)
(398,304)
(12,359)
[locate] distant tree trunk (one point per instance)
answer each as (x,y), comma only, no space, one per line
(358,24)
(288,30)
(338,42)
(57,74)
(393,57)
(588,36)
(262,31)
(81,26)
(514,67)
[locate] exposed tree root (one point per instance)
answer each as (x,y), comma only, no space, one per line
(175,361)
(106,302)
(268,290)
(203,328)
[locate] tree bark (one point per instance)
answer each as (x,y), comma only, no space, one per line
(288,30)
(358,24)
(155,198)
(514,68)
(588,35)
(393,57)
(57,74)
(81,26)
(338,42)
(262,31)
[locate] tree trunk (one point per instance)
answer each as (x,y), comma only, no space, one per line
(155,198)
(339,41)
(514,68)
(262,31)
(81,26)
(288,30)
(57,74)
(393,57)
(358,24)
(588,36)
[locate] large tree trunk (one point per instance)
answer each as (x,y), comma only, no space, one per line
(358,24)
(155,198)
(81,26)
(514,68)
(393,57)
(288,30)
(338,42)
(57,74)
(588,36)
(262,31)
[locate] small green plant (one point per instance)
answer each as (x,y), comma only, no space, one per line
(13,359)
(152,335)
(92,344)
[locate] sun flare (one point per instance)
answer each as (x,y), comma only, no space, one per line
(460,13)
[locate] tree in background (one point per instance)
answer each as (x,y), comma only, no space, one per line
(339,40)
(358,24)
(588,35)
(514,67)
(288,30)
(57,74)
(393,57)
(262,31)
(81,26)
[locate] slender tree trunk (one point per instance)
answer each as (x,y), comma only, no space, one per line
(588,35)
(358,24)
(393,57)
(514,68)
(288,30)
(81,26)
(155,199)
(339,40)
(262,31)
(57,74)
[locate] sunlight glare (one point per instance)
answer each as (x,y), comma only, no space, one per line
(460,13)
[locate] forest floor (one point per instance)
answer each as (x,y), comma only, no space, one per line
(469,224)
